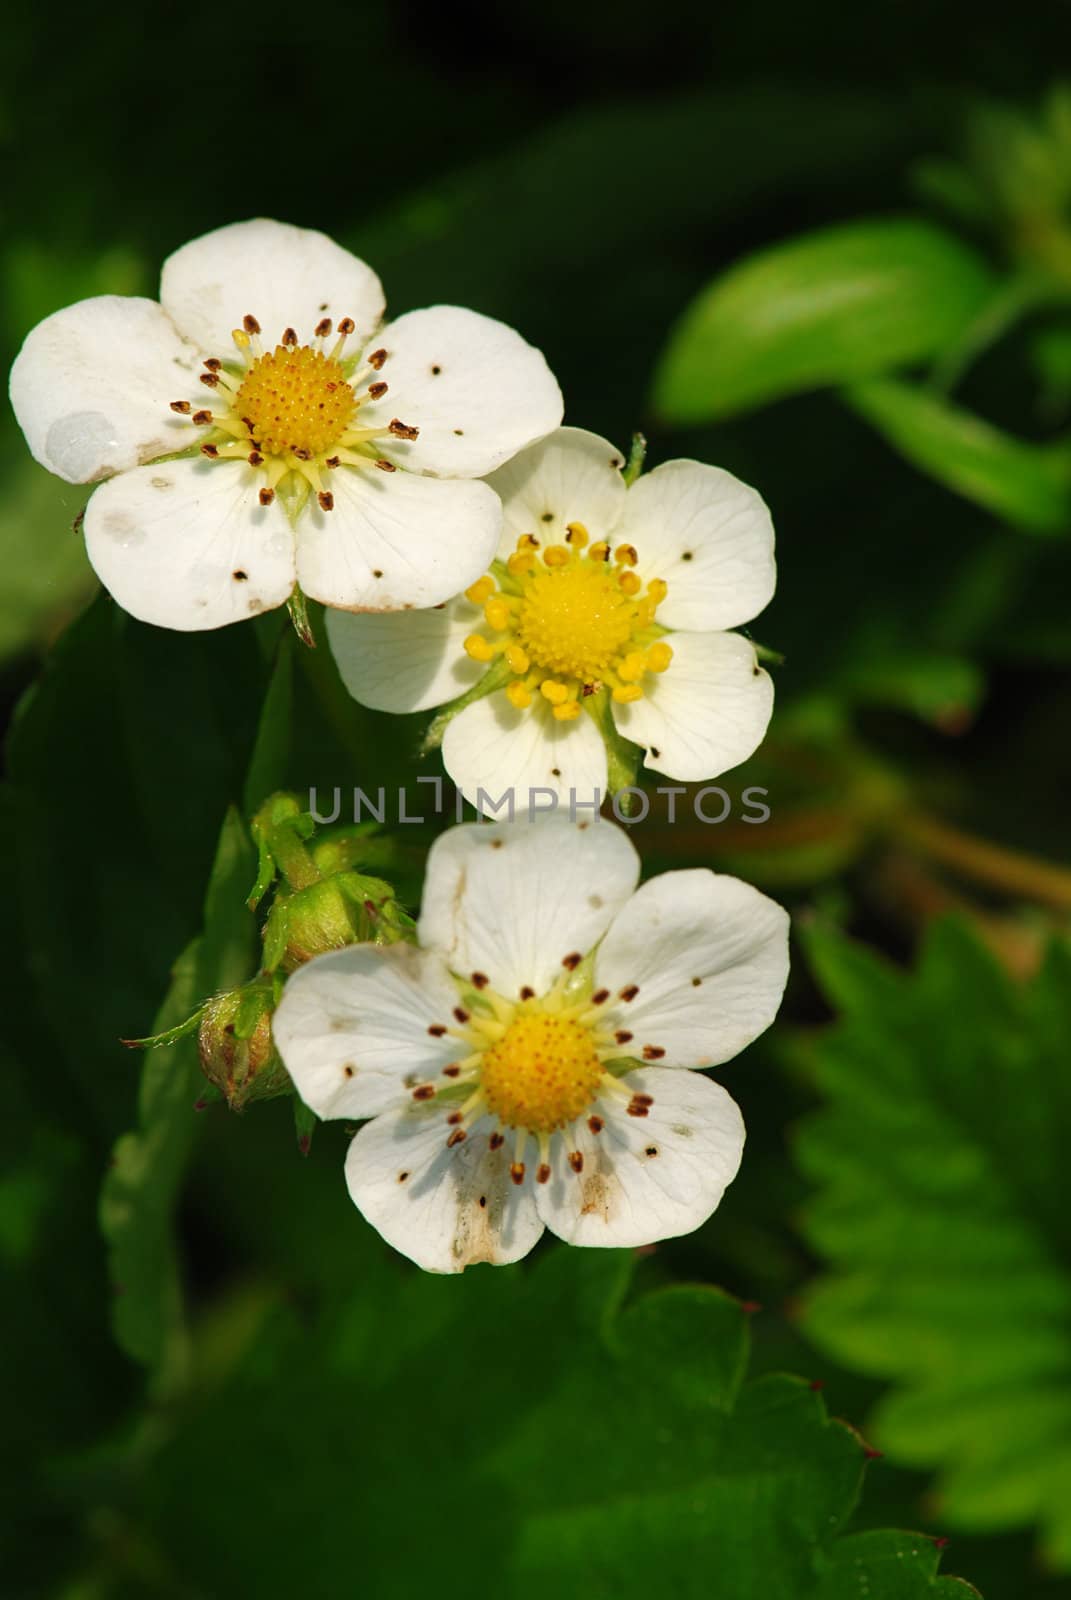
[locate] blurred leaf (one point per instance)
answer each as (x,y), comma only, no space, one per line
(268,763)
(124,757)
(1050,350)
(140,1191)
(941,1162)
(46,573)
(589,1450)
(1027,484)
(843,304)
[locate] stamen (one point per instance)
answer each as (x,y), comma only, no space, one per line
(183,407)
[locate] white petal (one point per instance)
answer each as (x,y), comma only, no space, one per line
(708,712)
(405,660)
(493,747)
(187,545)
(352,1027)
(284,276)
(572,476)
(646,1178)
(396,541)
(514,900)
(475,389)
(443,1208)
(709,536)
(688,926)
(92,386)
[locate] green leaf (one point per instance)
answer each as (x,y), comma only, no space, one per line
(843,304)
(124,757)
(586,1449)
(940,1163)
(46,574)
(140,1192)
(1028,485)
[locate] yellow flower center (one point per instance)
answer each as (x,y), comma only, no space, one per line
(296,399)
(542,1073)
(569,620)
(574,621)
(292,413)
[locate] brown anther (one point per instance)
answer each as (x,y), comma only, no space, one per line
(461,1015)
(202,418)
(454,1117)
(600,997)
(376,359)
(326,499)
(631,992)
(209,380)
(576,1160)
(323,327)
(596,1124)
(267,496)
(333,461)
(289,336)
(653,1052)
(386,466)
(250,324)
(301,453)
(453,1070)
(437,1029)
(516,1171)
(480,980)
(622,1036)
(571,962)
(213,364)
(497,1140)
(426,1091)
(543,1173)
(255,458)
(401,430)
(457,1137)
(346,327)
(643,1099)
(377,390)
(209,450)
(635,1109)
(183,407)
(527,993)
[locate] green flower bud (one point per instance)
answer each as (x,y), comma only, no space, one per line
(236,1048)
(346,908)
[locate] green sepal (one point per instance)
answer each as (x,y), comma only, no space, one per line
(305,1122)
(637,455)
(622,756)
(169,1036)
(497,676)
(765,653)
(299,616)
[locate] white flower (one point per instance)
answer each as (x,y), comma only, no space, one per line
(596,587)
(338,455)
(491,1057)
